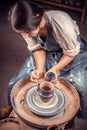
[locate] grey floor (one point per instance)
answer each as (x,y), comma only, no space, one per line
(13,53)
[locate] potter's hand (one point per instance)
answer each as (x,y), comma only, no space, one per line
(51,75)
(36,75)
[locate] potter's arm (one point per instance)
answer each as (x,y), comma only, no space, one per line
(65,60)
(39,56)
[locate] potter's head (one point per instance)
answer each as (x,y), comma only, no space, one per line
(25,17)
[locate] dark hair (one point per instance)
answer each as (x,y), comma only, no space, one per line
(23,16)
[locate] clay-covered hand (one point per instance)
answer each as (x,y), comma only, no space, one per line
(52,74)
(36,75)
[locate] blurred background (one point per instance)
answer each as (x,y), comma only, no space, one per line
(13,48)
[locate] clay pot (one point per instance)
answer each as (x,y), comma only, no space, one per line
(46,90)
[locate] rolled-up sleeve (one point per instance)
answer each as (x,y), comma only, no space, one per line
(32,44)
(65,32)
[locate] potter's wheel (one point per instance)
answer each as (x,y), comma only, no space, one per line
(38,106)
(25,88)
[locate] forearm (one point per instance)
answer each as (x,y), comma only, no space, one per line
(65,60)
(40,56)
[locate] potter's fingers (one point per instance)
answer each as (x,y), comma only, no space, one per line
(33,79)
(35,75)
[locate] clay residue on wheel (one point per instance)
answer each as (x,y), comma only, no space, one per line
(69,111)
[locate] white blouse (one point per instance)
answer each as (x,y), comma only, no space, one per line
(64,30)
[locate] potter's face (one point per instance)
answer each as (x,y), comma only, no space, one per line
(34,32)
(29,34)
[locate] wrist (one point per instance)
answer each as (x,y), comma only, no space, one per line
(40,68)
(56,69)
